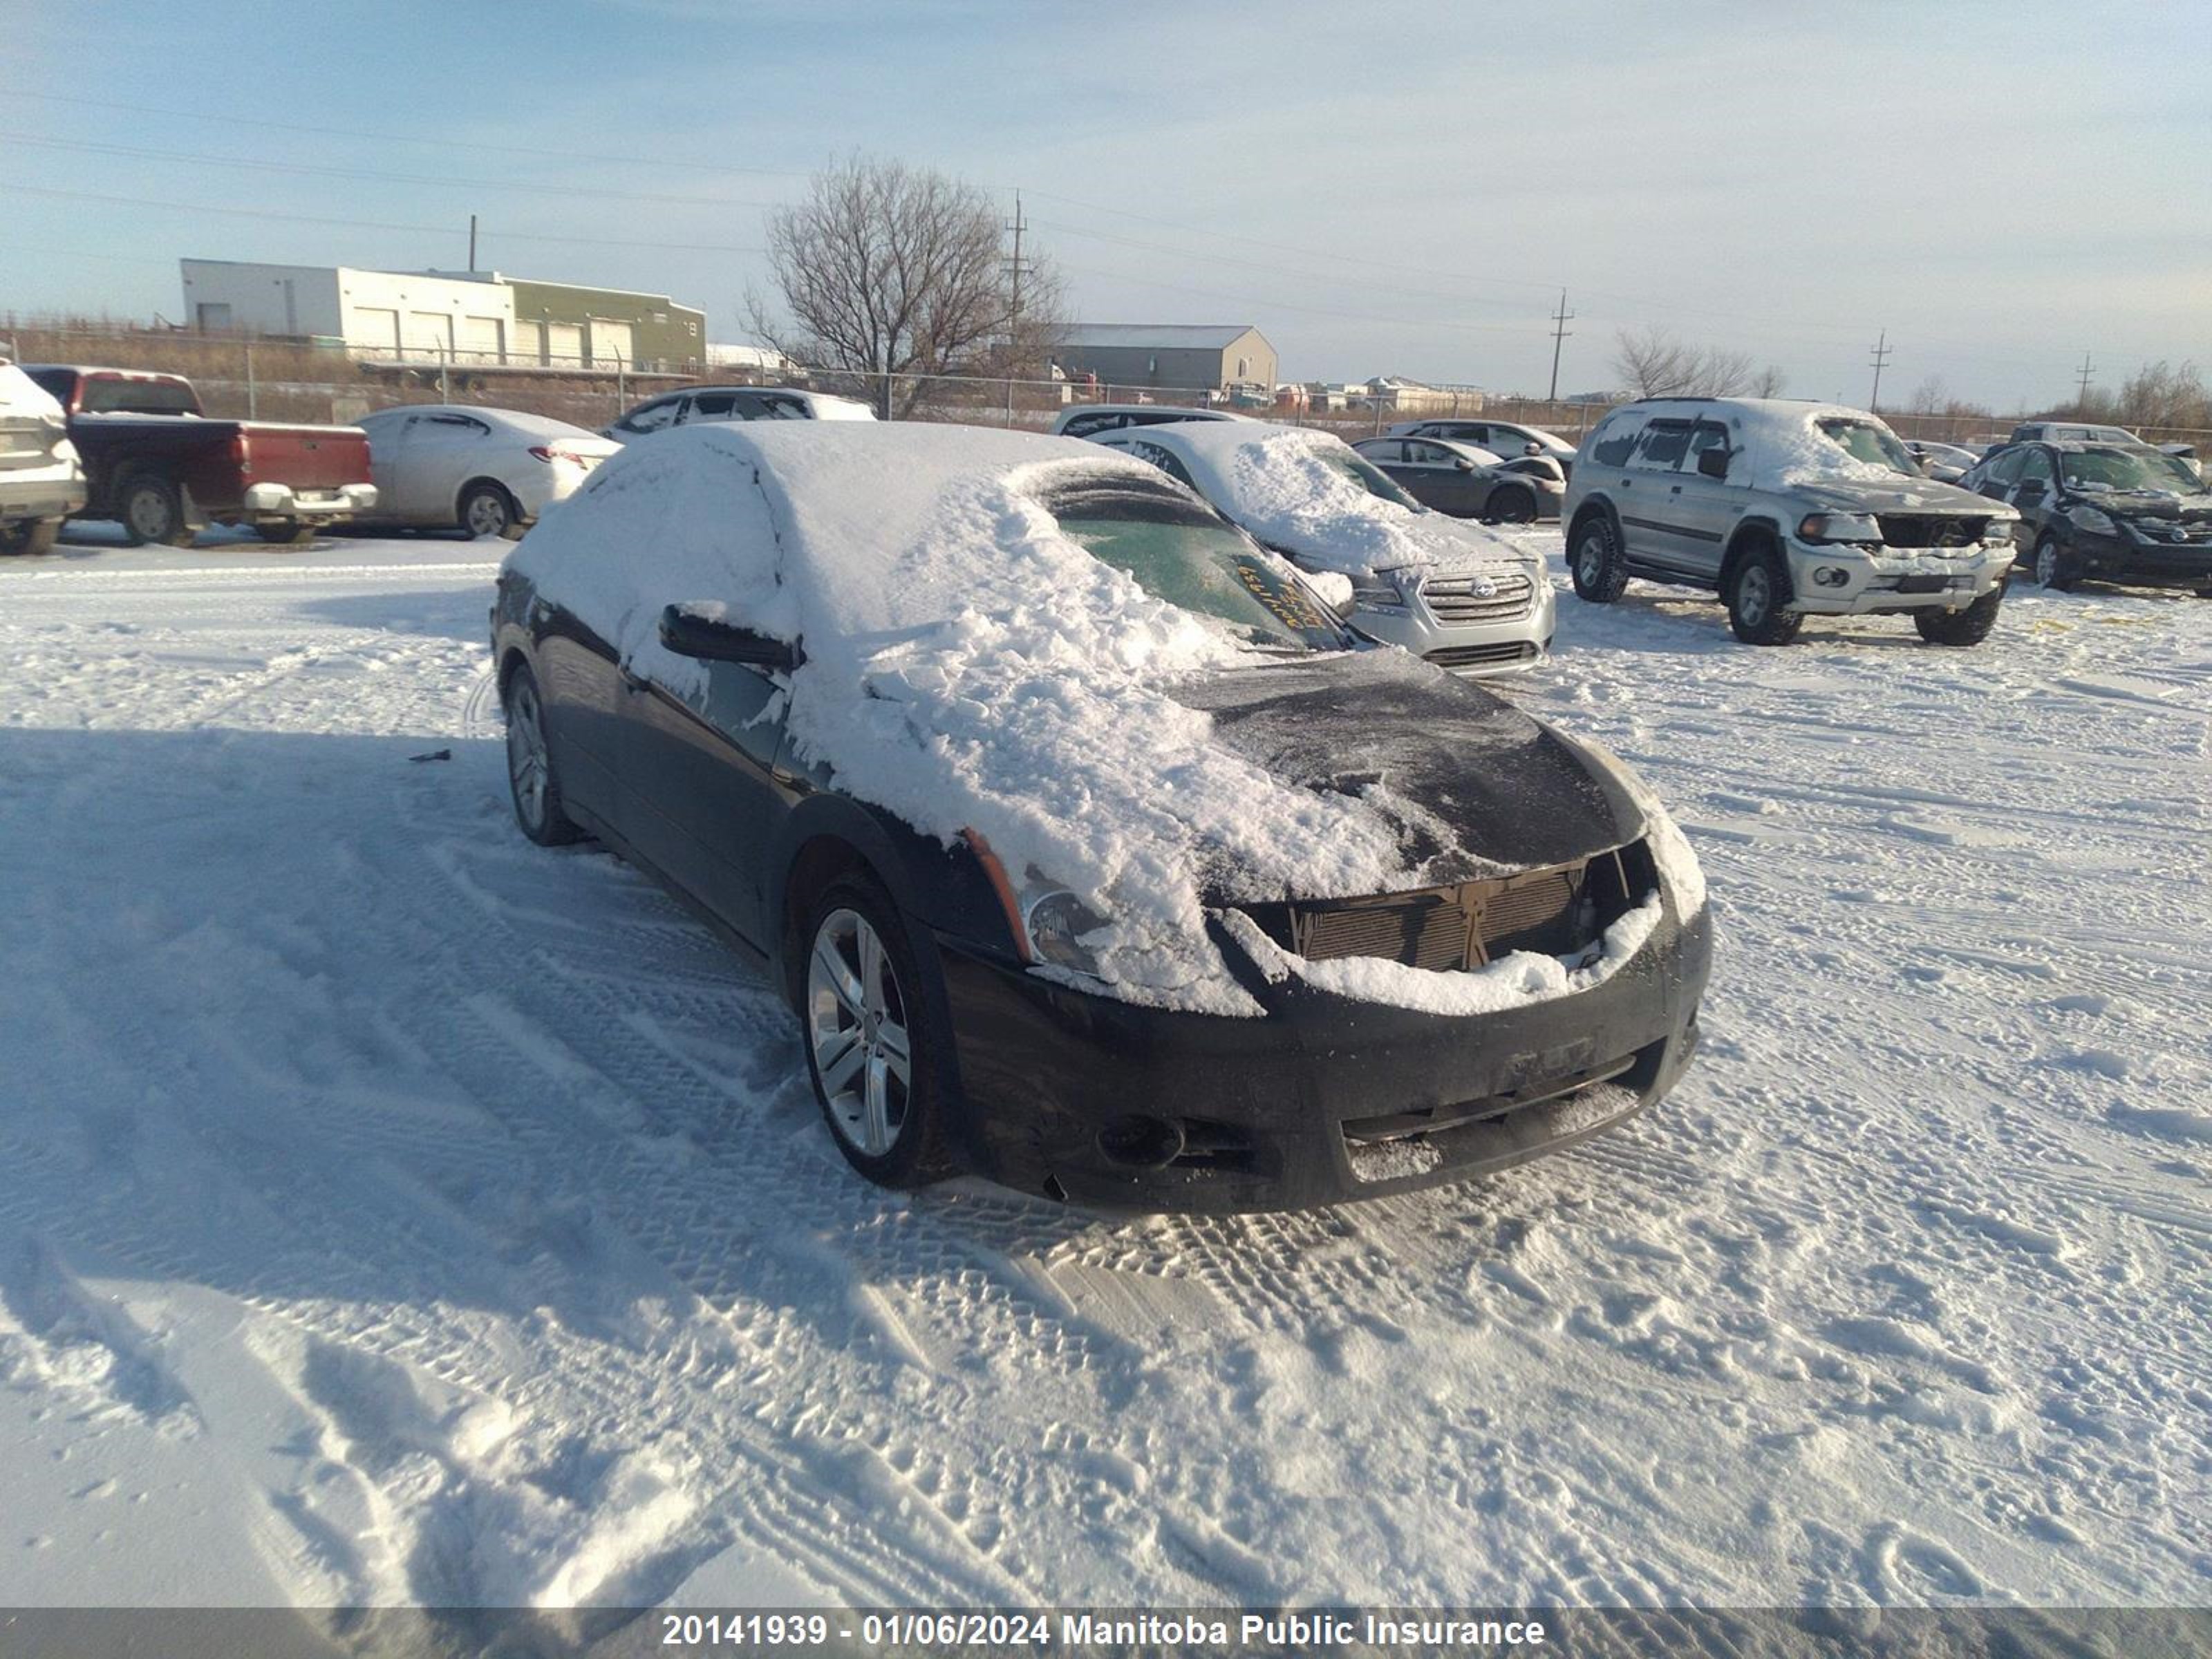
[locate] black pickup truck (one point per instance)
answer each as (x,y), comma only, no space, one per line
(159,467)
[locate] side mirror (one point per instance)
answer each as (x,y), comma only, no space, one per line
(1462,464)
(1532,449)
(689,631)
(1713,463)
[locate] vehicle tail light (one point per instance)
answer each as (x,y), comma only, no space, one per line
(242,453)
(550,453)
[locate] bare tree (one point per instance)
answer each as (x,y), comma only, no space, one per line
(1928,396)
(2159,395)
(1769,382)
(890,273)
(1655,363)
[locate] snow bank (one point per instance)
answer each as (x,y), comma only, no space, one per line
(969,667)
(1285,485)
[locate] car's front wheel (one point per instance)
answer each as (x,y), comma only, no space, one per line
(1759,600)
(2053,568)
(34,536)
(1968,627)
(530,775)
(874,1047)
(1595,564)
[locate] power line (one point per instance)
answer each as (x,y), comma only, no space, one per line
(256,165)
(2085,374)
(1881,355)
(1560,319)
(371,224)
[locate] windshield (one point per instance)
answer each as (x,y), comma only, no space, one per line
(137,398)
(1877,446)
(2128,470)
(1180,552)
(1367,475)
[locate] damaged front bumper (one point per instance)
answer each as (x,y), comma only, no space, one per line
(1326,1097)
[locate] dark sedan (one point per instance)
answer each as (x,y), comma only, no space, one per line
(1469,483)
(758,663)
(2122,513)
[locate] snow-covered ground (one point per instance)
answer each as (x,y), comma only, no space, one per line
(391,1211)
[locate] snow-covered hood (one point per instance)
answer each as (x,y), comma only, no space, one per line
(2145,504)
(1896,494)
(1279,484)
(1484,789)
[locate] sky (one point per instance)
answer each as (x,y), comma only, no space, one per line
(1996,189)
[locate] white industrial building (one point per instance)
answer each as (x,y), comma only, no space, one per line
(468,319)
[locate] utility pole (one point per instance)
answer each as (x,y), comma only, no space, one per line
(2085,374)
(472,245)
(1014,303)
(1560,319)
(1882,354)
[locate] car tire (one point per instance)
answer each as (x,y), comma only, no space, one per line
(865,1012)
(1512,504)
(1594,560)
(2054,570)
(284,532)
(34,536)
(1968,627)
(151,509)
(530,777)
(486,509)
(1758,596)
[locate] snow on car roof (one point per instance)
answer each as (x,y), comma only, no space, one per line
(969,666)
(1781,441)
(1458,447)
(1285,485)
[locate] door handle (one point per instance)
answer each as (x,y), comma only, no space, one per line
(1676,489)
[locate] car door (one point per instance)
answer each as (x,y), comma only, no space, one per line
(1448,482)
(1652,517)
(444,452)
(388,433)
(2035,490)
(698,761)
(1391,455)
(1705,510)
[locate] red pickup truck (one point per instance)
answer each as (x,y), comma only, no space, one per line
(156,465)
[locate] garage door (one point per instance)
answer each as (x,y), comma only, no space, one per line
(526,343)
(375,328)
(610,345)
(483,339)
(564,344)
(429,333)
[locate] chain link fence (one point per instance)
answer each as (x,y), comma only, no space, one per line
(254,378)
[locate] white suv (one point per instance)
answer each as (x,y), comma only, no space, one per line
(41,481)
(1788,509)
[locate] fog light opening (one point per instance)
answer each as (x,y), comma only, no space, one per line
(1829,575)
(1141,1143)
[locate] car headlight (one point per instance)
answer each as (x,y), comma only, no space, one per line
(1056,922)
(64,450)
(1999,533)
(1377,594)
(2092,519)
(1838,527)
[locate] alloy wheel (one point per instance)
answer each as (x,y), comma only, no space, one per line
(485,514)
(1754,595)
(857,1028)
(527,766)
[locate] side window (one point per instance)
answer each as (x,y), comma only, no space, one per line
(1706,434)
(773,408)
(1663,447)
(1083,425)
(1615,437)
(2036,469)
(2004,468)
(1163,459)
(714,407)
(456,426)
(1428,455)
(652,417)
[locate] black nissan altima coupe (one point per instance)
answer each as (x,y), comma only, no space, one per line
(1091,850)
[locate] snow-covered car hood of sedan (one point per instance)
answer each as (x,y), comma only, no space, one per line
(1279,484)
(971,669)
